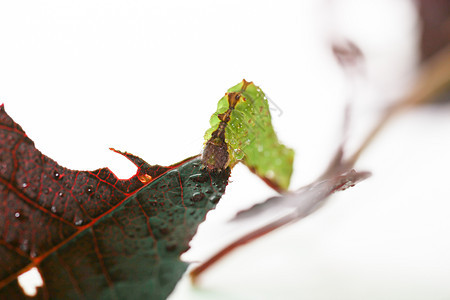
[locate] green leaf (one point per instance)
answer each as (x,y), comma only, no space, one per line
(241,131)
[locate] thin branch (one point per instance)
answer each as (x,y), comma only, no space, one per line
(303,202)
(433,78)
(239,242)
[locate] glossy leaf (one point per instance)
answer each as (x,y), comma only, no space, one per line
(241,131)
(91,235)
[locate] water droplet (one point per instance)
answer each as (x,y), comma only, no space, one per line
(214,199)
(197,197)
(61,194)
(78,222)
(24,185)
(24,246)
(201,178)
(53,209)
(144,178)
(19,215)
(270,174)
(239,154)
(89,189)
(56,175)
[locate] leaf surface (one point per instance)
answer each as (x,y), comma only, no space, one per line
(241,131)
(92,235)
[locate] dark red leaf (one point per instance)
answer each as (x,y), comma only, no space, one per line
(91,234)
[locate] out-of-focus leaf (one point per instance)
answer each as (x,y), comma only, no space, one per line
(435,23)
(305,200)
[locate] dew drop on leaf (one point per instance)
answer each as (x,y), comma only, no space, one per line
(53,209)
(144,178)
(19,215)
(24,246)
(201,178)
(239,154)
(214,199)
(89,189)
(56,175)
(61,194)
(197,197)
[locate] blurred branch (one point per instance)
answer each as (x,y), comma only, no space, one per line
(433,78)
(303,202)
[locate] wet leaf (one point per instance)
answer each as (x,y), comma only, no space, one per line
(241,131)
(92,235)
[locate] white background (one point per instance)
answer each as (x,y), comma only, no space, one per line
(145,76)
